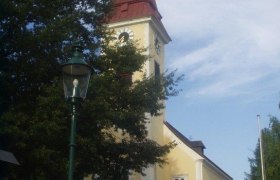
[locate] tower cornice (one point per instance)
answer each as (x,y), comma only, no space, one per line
(133,10)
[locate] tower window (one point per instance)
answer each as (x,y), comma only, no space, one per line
(157,73)
(157,70)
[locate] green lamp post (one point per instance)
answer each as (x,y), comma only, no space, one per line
(76,74)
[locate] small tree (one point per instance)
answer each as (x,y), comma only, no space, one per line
(271,149)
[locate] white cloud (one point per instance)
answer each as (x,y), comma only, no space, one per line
(244,49)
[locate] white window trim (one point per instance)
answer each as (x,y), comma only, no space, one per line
(180,177)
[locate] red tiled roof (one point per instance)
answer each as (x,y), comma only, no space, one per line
(133,9)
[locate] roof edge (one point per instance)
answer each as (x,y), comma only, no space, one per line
(188,143)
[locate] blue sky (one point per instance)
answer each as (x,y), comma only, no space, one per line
(229,52)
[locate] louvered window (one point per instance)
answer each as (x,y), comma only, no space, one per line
(157,69)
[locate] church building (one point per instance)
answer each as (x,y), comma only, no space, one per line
(140,20)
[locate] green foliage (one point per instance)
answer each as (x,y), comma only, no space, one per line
(36,37)
(118,111)
(271,151)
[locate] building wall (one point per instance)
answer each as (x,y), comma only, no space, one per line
(182,160)
(144,34)
(211,174)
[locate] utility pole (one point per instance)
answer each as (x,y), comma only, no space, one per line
(261,149)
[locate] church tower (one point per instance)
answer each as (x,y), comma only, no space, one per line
(140,20)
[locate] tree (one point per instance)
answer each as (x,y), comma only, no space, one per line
(36,37)
(271,149)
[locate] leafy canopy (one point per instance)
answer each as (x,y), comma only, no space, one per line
(36,37)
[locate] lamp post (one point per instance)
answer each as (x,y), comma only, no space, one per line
(76,74)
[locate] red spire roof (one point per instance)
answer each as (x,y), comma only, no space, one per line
(133,9)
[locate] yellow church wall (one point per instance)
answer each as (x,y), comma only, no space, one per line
(154,56)
(157,122)
(157,129)
(144,34)
(211,174)
(180,164)
(157,126)
(139,30)
(182,161)
(140,36)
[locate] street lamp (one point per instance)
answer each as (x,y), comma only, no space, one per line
(76,74)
